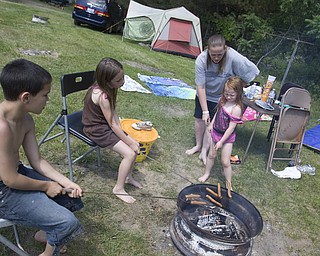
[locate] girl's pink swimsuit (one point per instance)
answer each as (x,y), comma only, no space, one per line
(221,124)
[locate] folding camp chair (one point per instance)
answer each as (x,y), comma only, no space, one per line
(16,248)
(71,123)
(275,118)
(290,128)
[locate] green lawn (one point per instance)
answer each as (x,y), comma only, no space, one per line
(290,208)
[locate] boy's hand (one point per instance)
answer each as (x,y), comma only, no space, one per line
(54,189)
(73,190)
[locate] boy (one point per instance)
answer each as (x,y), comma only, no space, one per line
(33,195)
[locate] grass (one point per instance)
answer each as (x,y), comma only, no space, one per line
(289,207)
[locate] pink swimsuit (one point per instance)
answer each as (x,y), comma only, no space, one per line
(221,124)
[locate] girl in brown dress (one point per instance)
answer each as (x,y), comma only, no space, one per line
(101,122)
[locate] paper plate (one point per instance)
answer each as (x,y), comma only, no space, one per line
(264,105)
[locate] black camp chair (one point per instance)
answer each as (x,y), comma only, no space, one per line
(71,123)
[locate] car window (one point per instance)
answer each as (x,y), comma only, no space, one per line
(97,3)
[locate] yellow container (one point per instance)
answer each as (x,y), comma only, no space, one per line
(145,138)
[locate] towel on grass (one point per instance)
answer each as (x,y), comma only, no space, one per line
(251,115)
(288,173)
(131,85)
(312,138)
(162,86)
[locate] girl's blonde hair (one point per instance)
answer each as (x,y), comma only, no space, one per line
(237,84)
(106,70)
(217,41)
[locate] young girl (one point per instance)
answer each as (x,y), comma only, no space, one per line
(102,124)
(222,127)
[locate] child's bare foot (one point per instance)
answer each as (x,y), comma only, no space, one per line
(123,195)
(193,150)
(133,182)
(41,237)
(203,157)
(204,177)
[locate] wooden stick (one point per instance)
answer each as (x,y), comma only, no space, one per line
(213,201)
(213,193)
(219,189)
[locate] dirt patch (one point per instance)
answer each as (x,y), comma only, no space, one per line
(39,53)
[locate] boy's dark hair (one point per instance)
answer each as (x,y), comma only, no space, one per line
(23,76)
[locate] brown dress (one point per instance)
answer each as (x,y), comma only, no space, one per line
(95,126)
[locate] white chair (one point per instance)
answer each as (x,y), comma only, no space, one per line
(17,248)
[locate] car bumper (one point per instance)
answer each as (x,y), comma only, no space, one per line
(89,19)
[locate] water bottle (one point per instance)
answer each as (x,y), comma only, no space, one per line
(251,91)
(271,97)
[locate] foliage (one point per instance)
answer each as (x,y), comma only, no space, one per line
(295,12)
(314,26)
(114,228)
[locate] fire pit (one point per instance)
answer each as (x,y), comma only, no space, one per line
(202,227)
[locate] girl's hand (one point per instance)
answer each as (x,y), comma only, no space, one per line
(218,145)
(134,145)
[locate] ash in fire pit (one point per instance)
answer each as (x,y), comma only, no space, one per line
(206,227)
(217,221)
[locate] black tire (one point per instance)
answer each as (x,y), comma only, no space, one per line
(77,23)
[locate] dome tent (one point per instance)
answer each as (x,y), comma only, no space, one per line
(174,30)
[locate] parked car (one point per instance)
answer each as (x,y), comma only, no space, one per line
(107,15)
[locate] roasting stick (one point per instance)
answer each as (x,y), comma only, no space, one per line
(69,190)
(213,201)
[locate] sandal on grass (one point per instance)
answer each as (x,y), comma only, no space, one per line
(146,125)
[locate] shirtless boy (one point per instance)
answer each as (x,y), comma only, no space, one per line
(35,195)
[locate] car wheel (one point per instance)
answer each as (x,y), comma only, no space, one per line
(77,23)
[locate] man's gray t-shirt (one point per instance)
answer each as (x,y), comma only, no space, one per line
(210,78)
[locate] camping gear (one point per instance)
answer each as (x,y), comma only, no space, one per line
(146,138)
(171,87)
(312,138)
(275,118)
(293,119)
(202,227)
(175,30)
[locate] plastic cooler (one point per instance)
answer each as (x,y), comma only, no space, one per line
(145,138)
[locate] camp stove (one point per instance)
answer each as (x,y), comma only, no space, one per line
(205,228)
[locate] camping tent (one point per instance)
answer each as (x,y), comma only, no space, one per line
(174,30)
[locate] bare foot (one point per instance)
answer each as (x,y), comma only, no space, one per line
(203,157)
(133,182)
(192,150)
(204,177)
(41,237)
(123,195)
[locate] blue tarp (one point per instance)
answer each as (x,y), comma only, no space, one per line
(163,86)
(312,138)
